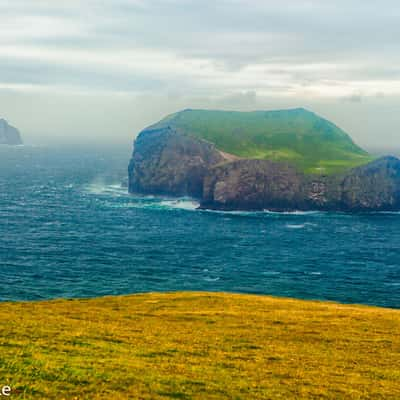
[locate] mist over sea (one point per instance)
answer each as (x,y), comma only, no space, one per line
(69,229)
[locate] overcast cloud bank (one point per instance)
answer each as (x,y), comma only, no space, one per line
(104,69)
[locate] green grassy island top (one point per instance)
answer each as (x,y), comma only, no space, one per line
(297,136)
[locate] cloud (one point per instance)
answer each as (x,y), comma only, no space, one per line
(229,53)
(231,45)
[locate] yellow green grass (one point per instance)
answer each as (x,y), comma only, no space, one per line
(198,346)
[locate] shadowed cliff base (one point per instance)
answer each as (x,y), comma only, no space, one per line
(199,346)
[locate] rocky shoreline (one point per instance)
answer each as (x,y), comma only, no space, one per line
(167,161)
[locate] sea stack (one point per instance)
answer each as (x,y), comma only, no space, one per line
(8,134)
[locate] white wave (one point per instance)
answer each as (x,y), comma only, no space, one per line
(295,212)
(227,213)
(261,212)
(208,279)
(100,188)
(299,226)
(182,204)
(147,202)
(292,226)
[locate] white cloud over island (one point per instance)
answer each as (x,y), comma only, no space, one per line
(94,65)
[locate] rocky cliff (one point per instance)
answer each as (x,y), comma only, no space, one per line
(169,163)
(261,184)
(8,134)
(169,160)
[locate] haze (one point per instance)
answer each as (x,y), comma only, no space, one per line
(82,71)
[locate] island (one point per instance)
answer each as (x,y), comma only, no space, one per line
(8,134)
(282,160)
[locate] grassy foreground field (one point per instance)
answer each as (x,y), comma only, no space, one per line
(198,346)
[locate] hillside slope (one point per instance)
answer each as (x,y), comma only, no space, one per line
(198,346)
(296,136)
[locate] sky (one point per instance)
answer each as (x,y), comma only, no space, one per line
(101,71)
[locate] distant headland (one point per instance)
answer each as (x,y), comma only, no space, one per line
(8,134)
(280,160)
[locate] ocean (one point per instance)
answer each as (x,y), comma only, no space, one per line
(69,229)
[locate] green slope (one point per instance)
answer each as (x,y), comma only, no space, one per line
(297,136)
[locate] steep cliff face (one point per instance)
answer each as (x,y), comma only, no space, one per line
(8,134)
(167,162)
(373,186)
(172,160)
(251,184)
(258,185)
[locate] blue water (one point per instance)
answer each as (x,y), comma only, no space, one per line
(68,229)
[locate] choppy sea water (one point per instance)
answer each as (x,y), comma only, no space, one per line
(69,229)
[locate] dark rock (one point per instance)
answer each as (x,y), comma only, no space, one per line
(252,184)
(375,186)
(166,162)
(8,134)
(259,184)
